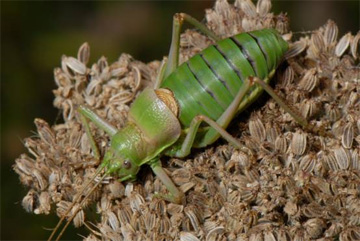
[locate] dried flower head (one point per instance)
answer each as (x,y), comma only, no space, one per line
(301,186)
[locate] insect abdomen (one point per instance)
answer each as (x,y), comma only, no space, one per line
(207,83)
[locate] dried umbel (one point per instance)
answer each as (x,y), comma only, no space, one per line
(301,185)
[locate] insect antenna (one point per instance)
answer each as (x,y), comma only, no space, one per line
(80,204)
(78,197)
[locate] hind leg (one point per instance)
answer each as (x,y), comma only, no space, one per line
(169,65)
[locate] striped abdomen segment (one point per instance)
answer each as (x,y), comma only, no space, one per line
(207,83)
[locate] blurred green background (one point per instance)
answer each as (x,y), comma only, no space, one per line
(34,36)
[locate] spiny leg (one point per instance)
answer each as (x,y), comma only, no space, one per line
(194,126)
(178,20)
(298,118)
(176,196)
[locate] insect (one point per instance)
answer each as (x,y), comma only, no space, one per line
(190,106)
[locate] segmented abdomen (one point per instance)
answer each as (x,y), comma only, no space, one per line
(207,83)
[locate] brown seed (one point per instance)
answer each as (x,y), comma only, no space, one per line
(150,220)
(332,112)
(343,44)
(272,132)
(24,165)
(298,143)
(45,132)
(248,7)
(136,202)
(317,41)
(281,144)
(309,108)
(257,129)
(309,81)
(41,181)
(288,77)
(210,225)
(112,220)
(307,163)
(29,201)
(214,233)
(354,47)
(165,225)
(190,213)
(330,163)
(84,53)
(102,64)
(79,217)
(75,65)
(296,48)
(342,158)
(104,204)
(331,33)
(263,7)
(124,214)
(338,128)
(61,79)
(348,136)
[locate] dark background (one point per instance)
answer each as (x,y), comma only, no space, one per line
(34,36)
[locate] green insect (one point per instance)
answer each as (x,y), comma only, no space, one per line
(212,87)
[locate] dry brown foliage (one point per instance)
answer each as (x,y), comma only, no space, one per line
(302,185)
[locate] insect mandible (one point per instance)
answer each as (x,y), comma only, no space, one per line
(212,87)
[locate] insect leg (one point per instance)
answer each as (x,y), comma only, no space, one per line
(89,135)
(194,126)
(161,74)
(97,120)
(176,196)
(178,20)
(224,120)
(297,116)
(218,127)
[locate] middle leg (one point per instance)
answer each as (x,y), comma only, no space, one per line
(217,128)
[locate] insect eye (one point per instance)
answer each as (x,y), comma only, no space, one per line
(127,164)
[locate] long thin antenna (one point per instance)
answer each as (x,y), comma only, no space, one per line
(81,203)
(75,201)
